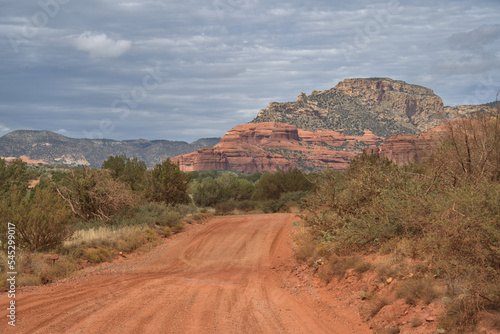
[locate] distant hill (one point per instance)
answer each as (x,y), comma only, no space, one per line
(384,106)
(54,148)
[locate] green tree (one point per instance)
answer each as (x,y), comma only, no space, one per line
(168,184)
(116,164)
(234,187)
(130,171)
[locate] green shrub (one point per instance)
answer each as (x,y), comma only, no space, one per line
(152,214)
(272,185)
(225,208)
(226,187)
(295,197)
(272,206)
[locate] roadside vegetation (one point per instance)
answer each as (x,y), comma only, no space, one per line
(226,193)
(430,228)
(78,217)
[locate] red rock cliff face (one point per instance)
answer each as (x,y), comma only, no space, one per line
(262,147)
(405,149)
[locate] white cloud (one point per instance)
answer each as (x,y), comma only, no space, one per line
(100,46)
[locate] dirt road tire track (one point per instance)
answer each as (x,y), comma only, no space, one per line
(218,277)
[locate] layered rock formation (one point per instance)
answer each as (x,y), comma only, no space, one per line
(271,146)
(406,149)
(384,106)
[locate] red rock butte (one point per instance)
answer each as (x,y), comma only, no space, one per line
(267,147)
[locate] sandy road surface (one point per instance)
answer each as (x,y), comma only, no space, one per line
(220,277)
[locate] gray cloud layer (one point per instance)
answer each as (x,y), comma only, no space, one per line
(183,70)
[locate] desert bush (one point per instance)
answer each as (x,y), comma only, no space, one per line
(363,267)
(164,231)
(40,218)
(151,214)
(186,209)
(200,217)
(235,188)
(470,150)
(338,266)
(225,208)
(247,205)
(93,193)
(33,269)
(98,255)
(295,197)
(366,206)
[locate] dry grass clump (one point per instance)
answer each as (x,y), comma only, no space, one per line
(388,330)
(415,289)
(305,244)
(103,235)
(462,314)
(375,303)
(337,266)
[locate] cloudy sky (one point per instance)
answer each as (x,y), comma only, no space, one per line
(181,70)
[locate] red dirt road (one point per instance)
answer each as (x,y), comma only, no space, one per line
(220,277)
